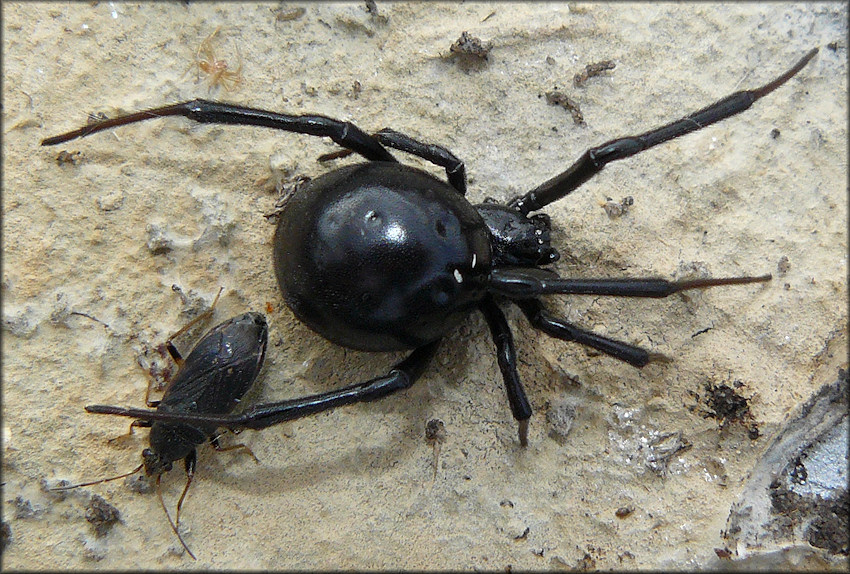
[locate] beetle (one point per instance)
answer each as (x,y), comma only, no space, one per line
(220,369)
(380,256)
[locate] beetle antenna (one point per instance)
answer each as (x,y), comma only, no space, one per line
(134,471)
(168,516)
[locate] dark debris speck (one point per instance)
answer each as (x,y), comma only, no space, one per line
(469,45)
(24,508)
(5,535)
(728,406)
(558,98)
(829,528)
(435,430)
(591,70)
(101,515)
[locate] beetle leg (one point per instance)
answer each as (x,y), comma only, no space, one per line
(99,481)
(343,133)
(217,446)
(553,326)
(593,160)
(169,344)
(133,425)
(152,404)
(174,353)
(141,424)
(189,462)
(506,354)
(525,283)
(402,376)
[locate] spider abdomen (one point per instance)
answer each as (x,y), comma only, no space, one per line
(381,256)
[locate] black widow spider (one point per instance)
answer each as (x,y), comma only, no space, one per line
(383,257)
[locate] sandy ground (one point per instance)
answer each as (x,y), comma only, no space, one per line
(86,292)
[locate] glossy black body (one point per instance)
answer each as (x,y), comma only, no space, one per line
(214,377)
(381,256)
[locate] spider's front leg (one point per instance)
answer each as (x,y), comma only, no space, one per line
(524,285)
(593,160)
(343,133)
(527,283)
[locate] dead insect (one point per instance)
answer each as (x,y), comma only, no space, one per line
(615,209)
(212,380)
(67,157)
(216,70)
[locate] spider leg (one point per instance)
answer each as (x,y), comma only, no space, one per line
(506,353)
(525,283)
(438,155)
(343,133)
(593,160)
(400,377)
(553,326)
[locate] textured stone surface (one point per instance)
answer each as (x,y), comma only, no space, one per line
(93,242)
